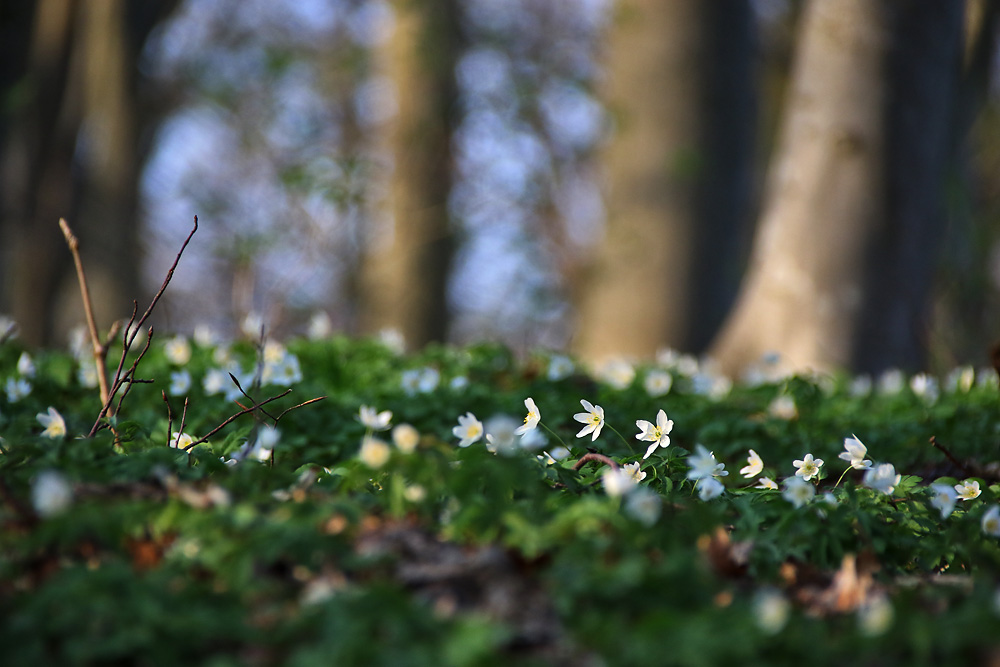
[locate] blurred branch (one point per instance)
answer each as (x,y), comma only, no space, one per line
(128,338)
(100,349)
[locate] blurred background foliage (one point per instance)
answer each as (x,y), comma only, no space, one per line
(587,174)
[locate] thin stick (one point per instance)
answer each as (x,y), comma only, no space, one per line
(184,414)
(300,405)
(131,332)
(100,351)
(593,456)
(170,418)
(951,457)
(244,411)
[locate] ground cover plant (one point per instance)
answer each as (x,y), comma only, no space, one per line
(461,506)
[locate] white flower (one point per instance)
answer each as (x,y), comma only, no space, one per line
(766,483)
(53,422)
(371,418)
(861,386)
(771,610)
(80,345)
(180,440)
(643,505)
(557,454)
(854,453)
(86,374)
(414,493)
(25,366)
(263,446)
(177,350)
(17,389)
(617,482)
(501,434)
(205,335)
(944,499)
(180,382)
(420,381)
(991,521)
(891,381)
(709,488)
(469,430)
(617,372)
(406,438)
(319,326)
(711,384)
(215,381)
(281,367)
(530,421)
(754,465)
(987,378)
(560,367)
(374,453)
(882,478)
(593,418)
(924,386)
(703,465)
(533,440)
(429,380)
(393,340)
(223,356)
(655,433)
(783,407)
(458,383)
(633,471)
(685,364)
(968,490)
(274,352)
(51,493)
(961,379)
(807,467)
(875,616)
(252,326)
(797,491)
(658,383)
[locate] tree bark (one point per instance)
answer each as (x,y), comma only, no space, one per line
(845,249)
(679,87)
(72,150)
(406,267)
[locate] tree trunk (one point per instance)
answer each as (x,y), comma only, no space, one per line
(845,251)
(679,86)
(37,181)
(72,151)
(406,268)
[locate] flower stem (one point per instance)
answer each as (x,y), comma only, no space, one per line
(554,434)
(627,443)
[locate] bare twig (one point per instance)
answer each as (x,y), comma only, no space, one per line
(128,338)
(300,405)
(951,457)
(593,456)
(170,418)
(236,416)
(184,414)
(100,350)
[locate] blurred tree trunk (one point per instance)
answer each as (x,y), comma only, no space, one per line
(679,86)
(846,247)
(406,267)
(72,150)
